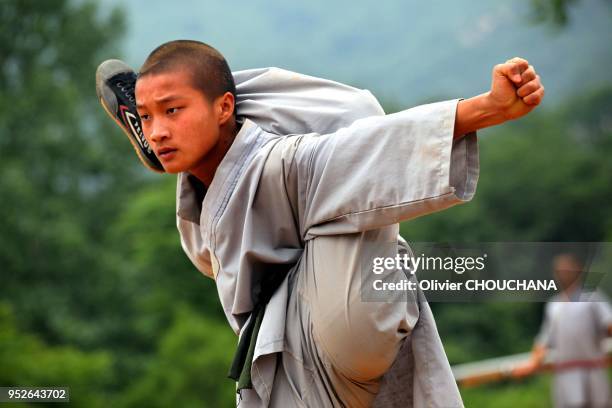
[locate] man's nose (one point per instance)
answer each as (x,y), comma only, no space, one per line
(159,132)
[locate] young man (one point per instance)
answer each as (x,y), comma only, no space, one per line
(285,189)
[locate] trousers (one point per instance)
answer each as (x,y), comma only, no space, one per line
(339,347)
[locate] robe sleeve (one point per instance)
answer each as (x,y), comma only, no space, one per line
(384,169)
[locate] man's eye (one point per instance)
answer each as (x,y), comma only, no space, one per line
(171,111)
(144,117)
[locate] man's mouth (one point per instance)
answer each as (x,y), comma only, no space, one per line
(166,153)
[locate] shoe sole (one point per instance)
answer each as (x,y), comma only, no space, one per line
(135,143)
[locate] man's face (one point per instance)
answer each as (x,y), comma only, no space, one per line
(567,271)
(180,124)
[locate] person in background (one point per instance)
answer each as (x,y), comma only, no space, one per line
(576,322)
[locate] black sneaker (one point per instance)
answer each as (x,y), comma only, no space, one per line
(115,82)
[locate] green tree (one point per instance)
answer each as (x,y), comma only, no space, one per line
(189,371)
(25,360)
(63,170)
(64,175)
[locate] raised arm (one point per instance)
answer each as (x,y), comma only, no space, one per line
(386,169)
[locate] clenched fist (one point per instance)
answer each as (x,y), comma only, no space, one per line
(516,90)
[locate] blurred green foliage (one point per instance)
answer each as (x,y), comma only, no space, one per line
(25,360)
(552,11)
(91,265)
(191,358)
(96,292)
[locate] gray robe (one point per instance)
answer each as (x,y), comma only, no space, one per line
(316,158)
(574,331)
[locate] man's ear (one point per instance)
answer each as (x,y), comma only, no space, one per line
(225,107)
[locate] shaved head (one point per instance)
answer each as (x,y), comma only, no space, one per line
(206,66)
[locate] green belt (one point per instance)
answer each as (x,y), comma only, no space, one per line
(240,371)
